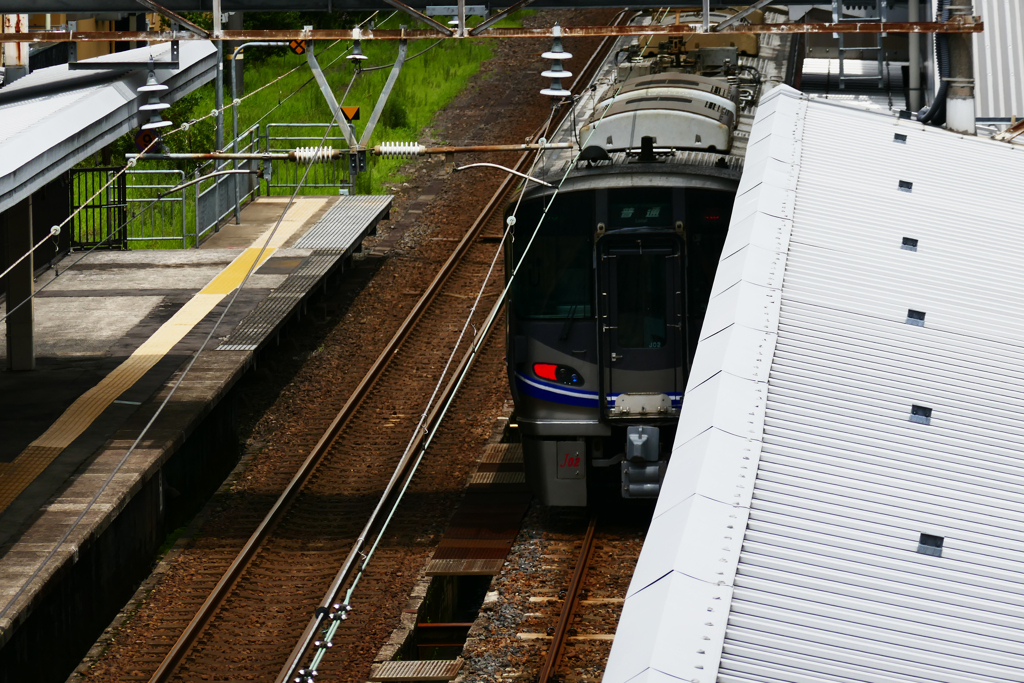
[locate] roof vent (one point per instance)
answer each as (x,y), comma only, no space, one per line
(900,137)
(921,415)
(909,243)
(930,545)
(915,318)
(906,186)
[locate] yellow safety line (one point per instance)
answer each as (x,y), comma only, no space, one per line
(19,473)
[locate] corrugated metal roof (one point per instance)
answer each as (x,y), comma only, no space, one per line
(999,59)
(785,544)
(62,120)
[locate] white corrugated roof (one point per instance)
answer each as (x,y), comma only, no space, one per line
(999,59)
(54,118)
(785,543)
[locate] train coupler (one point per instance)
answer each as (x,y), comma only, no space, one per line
(642,471)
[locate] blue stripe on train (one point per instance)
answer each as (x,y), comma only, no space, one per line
(556,393)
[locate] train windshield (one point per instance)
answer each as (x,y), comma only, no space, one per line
(556,278)
(641,300)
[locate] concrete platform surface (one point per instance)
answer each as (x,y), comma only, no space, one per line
(113,331)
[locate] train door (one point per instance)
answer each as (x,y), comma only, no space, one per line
(639,280)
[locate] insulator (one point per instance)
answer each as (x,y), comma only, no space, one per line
(557,52)
(313,155)
(556,90)
(153,105)
(400,149)
(556,73)
(357,46)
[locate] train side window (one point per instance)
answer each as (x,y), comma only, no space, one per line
(555,280)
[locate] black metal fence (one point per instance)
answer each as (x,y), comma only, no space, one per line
(102,221)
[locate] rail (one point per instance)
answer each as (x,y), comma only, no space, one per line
(224,586)
(573,597)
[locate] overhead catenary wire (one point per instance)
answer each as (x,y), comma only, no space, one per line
(479,337)
(163,404)
(133,161)
(183,127)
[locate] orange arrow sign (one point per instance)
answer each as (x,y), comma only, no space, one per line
(350,113)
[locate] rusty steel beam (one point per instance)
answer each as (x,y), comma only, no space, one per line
(176,18)
(969,25)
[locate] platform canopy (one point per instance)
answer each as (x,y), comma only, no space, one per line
(55,117)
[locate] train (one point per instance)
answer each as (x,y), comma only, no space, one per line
(610,266)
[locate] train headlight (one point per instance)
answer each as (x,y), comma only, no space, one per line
(562,374)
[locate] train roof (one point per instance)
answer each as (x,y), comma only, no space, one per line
(845,498)
(771,63)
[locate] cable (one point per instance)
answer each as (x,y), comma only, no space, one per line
(408,59)
(480,336)
(167,399)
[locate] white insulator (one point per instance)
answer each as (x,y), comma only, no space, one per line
(561,73)
(553,92)
(155,106)
(156,124)
(313,155)
(153,87)
(401,149)
(557,55)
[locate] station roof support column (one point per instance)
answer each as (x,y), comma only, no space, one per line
(16,226)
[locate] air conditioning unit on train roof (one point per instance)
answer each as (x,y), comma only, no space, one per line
(675,121)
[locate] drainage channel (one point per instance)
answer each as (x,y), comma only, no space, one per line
(454,585)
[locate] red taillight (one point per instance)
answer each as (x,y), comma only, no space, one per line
(545,371)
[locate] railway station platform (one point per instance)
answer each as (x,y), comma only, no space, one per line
(80,516)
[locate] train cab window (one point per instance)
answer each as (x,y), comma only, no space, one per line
(641,301)
(640,208)
(556,279)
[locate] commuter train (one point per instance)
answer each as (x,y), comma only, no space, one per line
(613,267)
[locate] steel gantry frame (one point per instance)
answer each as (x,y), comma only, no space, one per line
(957,24)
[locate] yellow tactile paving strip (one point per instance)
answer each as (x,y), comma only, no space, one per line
(19,473)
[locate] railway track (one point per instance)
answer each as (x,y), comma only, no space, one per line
(255,595)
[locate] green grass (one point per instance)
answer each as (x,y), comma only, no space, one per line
(425,85)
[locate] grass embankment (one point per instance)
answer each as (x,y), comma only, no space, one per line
(425,85)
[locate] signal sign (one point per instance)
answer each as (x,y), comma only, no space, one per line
(350,113)
(144,139)
(298,47)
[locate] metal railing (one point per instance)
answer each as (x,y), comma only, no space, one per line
(220,197)
(100,223)
(136,211)
(152,217)
(282,176)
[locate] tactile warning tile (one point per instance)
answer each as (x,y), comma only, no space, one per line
(417,670)
(257,327)
(31,462)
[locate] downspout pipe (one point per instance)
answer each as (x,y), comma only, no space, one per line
(960,111)
(935,113)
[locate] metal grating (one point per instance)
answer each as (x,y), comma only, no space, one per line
(422,670)
(257,327)
(345,224)
(486,523)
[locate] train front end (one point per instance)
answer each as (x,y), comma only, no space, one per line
(608,297)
